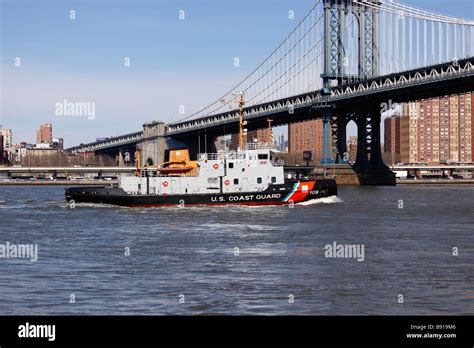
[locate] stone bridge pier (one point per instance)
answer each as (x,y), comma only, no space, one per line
(369,165)
(153,145)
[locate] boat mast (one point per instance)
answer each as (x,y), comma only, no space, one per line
(138,160)
(242,122)
(270,131)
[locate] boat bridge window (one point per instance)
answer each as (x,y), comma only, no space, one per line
(274,179)
(263,156)
(212,180)
(231,165)
(259,180)
(236,181)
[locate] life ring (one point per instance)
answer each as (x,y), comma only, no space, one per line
(227,182)
(165,183)
(215,166)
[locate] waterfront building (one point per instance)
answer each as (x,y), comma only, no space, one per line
(2,153)
(262,135)
(352,149)
(433,131)
(281,142)
(223,144)
(44,135)
(306,136)
(58,143)
(397,132)
(7,138)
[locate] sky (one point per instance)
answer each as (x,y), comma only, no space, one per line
(173,61)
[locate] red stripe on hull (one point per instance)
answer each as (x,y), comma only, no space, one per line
(299,195)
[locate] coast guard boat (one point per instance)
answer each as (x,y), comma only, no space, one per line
(252,176)
(249,176)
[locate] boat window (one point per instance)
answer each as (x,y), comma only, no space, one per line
(259,180)
(212,180)
(231,165)
(274,179)
(262,156)
(236,181)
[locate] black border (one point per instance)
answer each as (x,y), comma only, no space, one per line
(240,330)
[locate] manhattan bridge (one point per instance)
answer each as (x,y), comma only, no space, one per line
(340,63)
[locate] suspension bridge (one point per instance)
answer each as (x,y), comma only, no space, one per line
(340,63)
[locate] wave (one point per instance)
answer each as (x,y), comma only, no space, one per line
(89,205)
(324,200)
(223,226)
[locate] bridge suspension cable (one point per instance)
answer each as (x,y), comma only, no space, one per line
(281,59)
(410,11)
(403,37)
(410,38)
(308,64)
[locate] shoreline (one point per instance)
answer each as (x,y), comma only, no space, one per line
(436,182)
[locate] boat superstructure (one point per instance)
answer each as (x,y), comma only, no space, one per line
(252,177)
(250,170)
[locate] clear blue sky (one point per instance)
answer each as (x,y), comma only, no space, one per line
(173,61)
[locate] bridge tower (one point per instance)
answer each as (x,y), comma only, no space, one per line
(336,13)
(336,60)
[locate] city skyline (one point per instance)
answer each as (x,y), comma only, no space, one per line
(166,74)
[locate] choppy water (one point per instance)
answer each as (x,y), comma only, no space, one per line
(192,252)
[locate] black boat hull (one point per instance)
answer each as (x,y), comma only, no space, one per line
(287,193)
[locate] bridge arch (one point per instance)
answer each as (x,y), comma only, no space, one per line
(349,146)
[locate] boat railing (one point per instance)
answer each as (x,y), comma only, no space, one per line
(221,156)
(149,171)
(235,154)
(259,146)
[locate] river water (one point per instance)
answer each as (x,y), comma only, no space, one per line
(98,259)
